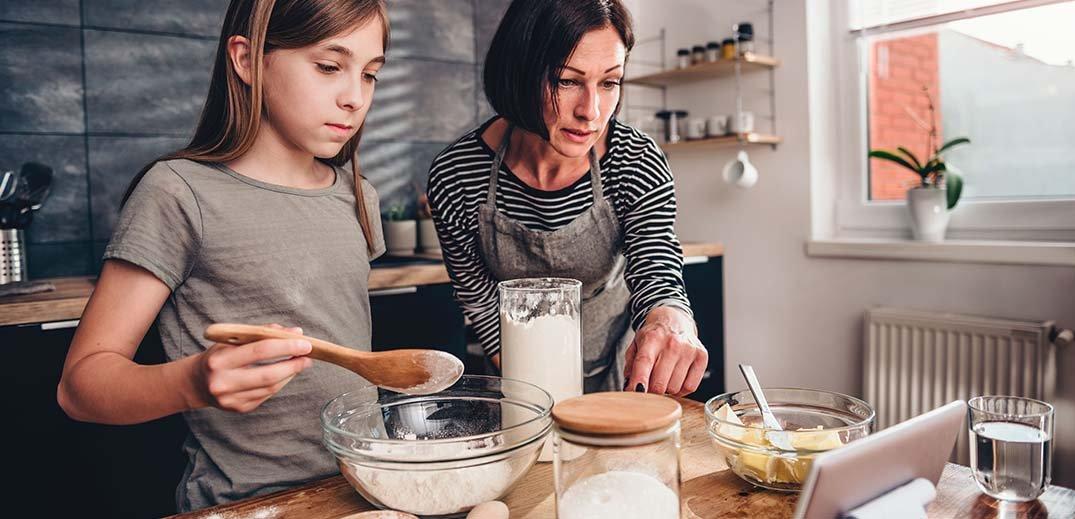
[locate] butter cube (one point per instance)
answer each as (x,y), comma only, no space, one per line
(821,440)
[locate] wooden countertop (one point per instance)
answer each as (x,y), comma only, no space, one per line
(708,490)
(69,299)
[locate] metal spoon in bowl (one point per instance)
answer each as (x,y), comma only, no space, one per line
(411,371)
(776,435)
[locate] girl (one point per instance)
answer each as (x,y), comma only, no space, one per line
(254,221)
(555,186)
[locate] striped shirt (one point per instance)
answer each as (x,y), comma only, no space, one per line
(636,181)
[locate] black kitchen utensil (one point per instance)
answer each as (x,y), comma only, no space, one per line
(35,183)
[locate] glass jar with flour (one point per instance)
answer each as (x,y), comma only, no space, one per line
(616,454)
(541,337)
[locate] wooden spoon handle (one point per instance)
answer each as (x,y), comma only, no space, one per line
(238,334)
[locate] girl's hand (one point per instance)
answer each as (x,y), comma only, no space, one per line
(666,356)
(237,378)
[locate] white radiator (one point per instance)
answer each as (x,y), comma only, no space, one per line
(916,361)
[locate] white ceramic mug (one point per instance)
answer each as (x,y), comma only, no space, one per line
(740,172)
(695,128)
(743,124)
(716,126)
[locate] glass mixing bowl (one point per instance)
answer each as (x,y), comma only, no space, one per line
(814,422)
(438,455)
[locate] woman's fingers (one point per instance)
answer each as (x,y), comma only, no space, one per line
(628,361)
(662,371)
(647,350)
(696,372)
(679,375)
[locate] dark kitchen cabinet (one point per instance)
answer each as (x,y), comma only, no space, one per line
(65,468)
(418,317)
(704,278)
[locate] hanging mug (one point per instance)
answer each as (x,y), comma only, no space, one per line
(740,172)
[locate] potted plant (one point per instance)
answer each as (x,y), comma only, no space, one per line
(400,236)
(940,186)
(428,242)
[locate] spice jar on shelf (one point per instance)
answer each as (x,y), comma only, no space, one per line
(712,51)
(616,454)
(745,35)
(683,58)
(727,49)
(697,54)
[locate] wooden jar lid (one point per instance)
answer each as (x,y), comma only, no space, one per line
(616,412)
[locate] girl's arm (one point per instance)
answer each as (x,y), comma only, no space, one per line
(101,383)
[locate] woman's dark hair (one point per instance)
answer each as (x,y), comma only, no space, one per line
(533,42)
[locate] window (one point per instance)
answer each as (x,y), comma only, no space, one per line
(999,73)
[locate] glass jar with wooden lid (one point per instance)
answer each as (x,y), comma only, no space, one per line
(616,454)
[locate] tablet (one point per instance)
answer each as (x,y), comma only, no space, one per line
(844,479)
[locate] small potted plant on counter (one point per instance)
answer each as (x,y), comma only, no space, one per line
(428,242)
(400,234)
(940,186)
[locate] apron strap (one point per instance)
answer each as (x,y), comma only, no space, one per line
(595,176)
(502,150)
(494,170)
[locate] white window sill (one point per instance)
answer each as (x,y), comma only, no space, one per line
(958,251)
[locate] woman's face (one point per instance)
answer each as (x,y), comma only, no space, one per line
(587,93)
(316,97)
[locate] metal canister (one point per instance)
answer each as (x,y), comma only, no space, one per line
(12,256)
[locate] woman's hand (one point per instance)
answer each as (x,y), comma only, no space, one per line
(237,378)
(666,356)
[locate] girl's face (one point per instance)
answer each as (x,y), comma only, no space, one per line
(587,93)
(316,97)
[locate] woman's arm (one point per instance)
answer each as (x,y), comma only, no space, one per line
(101,383)
(666,355)
(473,284)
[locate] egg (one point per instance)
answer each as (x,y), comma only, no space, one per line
(490,510)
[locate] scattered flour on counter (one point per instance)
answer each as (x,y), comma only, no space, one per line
(621,495)
(434,492)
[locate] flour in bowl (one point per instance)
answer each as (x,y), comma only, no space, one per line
(434,492)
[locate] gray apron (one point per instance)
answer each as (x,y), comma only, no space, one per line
(587,249)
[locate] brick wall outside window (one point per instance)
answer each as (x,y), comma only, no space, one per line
(898,70)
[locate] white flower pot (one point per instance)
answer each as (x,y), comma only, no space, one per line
(428,242)
(929,213)
(400,237)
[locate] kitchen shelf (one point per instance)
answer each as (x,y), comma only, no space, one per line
(727,141)
(748,61)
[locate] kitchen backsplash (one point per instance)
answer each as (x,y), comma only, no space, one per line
(98,88)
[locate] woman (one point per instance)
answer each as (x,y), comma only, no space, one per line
(525,195)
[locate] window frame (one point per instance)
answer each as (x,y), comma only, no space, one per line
(856,216)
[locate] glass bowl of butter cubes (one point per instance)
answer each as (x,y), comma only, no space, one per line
(814,422)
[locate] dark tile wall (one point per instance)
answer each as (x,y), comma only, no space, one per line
(97,88)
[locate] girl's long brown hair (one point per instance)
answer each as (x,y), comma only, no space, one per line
(233,110)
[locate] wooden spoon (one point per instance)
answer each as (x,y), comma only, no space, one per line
(410,371)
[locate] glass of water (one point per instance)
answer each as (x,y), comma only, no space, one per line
(1011,446)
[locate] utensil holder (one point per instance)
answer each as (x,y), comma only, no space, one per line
(12,256)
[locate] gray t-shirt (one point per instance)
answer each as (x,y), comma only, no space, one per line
(233,249)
